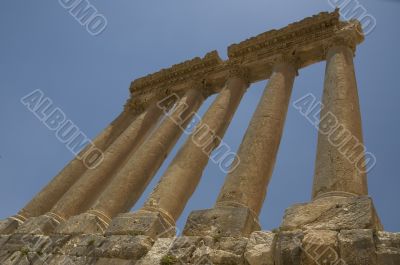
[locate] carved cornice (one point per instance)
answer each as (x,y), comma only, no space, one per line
(348,34)
(287,38)
(182,72)
(301,44)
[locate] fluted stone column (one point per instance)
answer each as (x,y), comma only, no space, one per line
(60,184)
(339,168)
(131,180)
(168,199)
(83,193)
(241,198)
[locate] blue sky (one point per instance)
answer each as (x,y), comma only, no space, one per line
(43,47)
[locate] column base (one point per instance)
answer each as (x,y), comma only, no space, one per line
(332,213)
(8,226)
(222,221)
(85,223)
(41,225)
(147,223)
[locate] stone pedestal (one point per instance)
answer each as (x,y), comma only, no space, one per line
(333,213)
(151,224)
(41,225)
(222,222)
(85,223)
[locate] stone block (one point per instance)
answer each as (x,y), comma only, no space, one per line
(320,247)
(3,240)
(44,245)
(288,248)
(147,223)
(388,248)
(41,225)
(260,248)
(332,213)
(357,247)
(82,245)
(221,222)
(70,260)
(206,250)
(8,226)
(159,249)
(82,224)
(114,261)
(124,247)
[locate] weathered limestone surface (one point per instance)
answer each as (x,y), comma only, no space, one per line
(207,250)
(42,225)
(319,247)
(333,213)
(221,221)
(388,248)
(357,247)
(85,223)
(260,249)
(8,226)
(141,223)
(288,248)
(297,247)
(158,251)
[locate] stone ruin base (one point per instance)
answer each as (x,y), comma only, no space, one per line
(352,247)
(327,231)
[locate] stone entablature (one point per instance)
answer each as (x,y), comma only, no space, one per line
(304,43)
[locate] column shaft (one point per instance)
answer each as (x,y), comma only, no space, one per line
(183,175)
(339,164)
(129,183)
(247,184)
(60,184)
(83,193)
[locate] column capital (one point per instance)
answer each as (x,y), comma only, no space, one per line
(349,36)
(238,71)
(202,85)
(286,59)
(346,41)
(134,106)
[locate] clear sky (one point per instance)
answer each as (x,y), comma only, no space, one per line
(43,47)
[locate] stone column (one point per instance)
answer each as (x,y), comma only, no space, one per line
(60,184)
(241,198)
(83,193)
(131,180)
(167,201)
(339,168)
